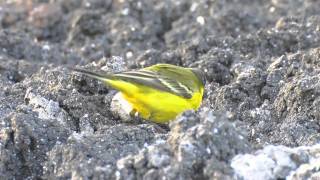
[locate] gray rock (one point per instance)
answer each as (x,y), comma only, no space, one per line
(25,141)
(198,146)
(278,162)
(261,59)
(94,155)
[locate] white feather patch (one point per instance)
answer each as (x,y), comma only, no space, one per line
(185,88)
(168,85)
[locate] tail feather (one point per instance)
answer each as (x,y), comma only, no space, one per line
(101,77)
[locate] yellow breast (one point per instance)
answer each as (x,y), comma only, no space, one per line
(155,105)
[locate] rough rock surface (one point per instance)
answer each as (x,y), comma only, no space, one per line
(278,162)
(198,147)
(261,59)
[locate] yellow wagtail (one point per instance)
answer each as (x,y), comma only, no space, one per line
(157,93)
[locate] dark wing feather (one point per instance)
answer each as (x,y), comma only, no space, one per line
(176,87)
(141,78)
(159,80)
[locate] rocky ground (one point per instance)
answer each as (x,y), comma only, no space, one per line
(260,117)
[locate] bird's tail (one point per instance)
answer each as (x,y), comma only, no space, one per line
(101,77)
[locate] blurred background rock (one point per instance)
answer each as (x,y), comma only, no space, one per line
(262,98)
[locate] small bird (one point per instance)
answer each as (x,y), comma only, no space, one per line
(157,93)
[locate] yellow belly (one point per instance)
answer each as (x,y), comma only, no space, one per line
(161,107)
(154,105)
